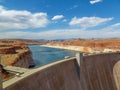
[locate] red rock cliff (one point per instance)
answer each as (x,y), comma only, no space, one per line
(16,55)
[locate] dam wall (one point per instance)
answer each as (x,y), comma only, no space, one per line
(96,72)
(100,72)
(58,76)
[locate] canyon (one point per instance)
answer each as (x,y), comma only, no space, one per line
(88,45)
(91,71)
(15,53)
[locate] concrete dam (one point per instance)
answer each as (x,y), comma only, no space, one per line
(84,72)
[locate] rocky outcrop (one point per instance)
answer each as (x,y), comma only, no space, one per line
(7,50)
(24,59)
(17,55)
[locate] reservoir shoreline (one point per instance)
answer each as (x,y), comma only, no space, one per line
(82,49)
(73,48)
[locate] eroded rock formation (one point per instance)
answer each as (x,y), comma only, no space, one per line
(90,45)
(16,55)
(7,50)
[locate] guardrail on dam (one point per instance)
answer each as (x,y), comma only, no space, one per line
(96,72)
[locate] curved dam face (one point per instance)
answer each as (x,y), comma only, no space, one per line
(58,76)
(100,72)
(96,72)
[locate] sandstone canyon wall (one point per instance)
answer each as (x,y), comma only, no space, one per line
(16,55)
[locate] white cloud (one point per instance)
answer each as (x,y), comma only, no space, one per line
(113,27)
(14,19)
(117,25)
(88,21)
(95,1)
(57,17)
(107,32)
(64,20)
(74,6)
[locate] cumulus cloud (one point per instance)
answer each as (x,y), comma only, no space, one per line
(14,19)
(117,25)
(86,22)
(57,17)
(95,1)
(107,32)
(113,27)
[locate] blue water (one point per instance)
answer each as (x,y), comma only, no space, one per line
(44,55)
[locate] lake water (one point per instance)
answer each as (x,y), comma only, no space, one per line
(44,55)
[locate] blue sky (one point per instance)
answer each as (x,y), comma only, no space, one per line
(59,19)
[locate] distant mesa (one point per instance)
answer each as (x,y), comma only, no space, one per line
(111,44)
